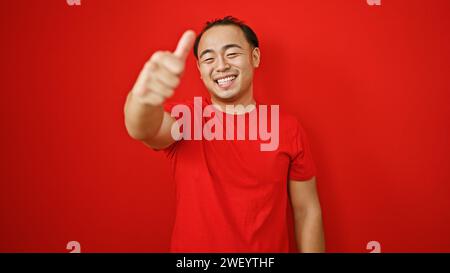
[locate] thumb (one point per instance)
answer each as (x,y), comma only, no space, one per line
(185,44)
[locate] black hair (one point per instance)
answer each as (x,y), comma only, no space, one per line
(249,34)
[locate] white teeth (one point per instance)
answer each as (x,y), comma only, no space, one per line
(226,80)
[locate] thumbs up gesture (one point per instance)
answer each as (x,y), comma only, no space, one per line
(161,73)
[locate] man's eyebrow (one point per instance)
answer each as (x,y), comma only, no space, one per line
(205,52)
(225,47)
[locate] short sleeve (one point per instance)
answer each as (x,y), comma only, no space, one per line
(302,166)
(168,106)
(169,150)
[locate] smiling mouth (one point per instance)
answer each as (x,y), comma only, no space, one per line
(226,82)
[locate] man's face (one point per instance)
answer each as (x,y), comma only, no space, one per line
(226,62)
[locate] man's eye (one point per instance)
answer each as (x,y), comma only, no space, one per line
(208,60)
(232,54)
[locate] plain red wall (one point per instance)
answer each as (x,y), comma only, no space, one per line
(369,84)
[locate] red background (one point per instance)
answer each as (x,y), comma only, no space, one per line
(369,84)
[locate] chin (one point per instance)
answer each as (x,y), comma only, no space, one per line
(226,95)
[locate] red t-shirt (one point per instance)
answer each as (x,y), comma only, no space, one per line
(230,195)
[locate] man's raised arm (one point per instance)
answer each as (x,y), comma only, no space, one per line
(145,118)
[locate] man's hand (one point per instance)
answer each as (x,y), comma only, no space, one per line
(161,74)
(145,118)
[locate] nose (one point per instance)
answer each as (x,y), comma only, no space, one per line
(222,64)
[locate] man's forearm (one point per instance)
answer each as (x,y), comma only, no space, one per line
(160,76)
(309,233)
(142,120)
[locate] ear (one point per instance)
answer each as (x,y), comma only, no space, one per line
(256,57)
(198,67)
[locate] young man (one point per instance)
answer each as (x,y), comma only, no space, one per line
(232,195)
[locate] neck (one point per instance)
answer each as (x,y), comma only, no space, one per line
(245,99)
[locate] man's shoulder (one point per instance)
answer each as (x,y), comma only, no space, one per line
(287,119)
